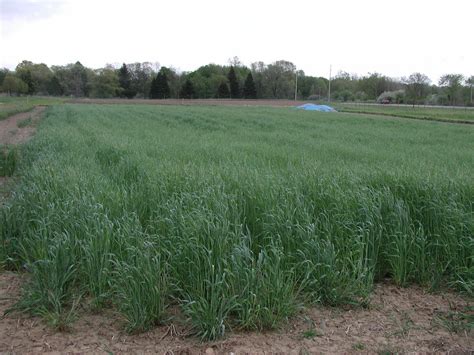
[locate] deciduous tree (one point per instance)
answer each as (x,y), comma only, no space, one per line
(13,85)
(470,83)
(105,83)
(416,86)
(3,74)
(452,84)
(54,87)
(280,79)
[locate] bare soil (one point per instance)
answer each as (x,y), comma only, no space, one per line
(398,320)
(10,133)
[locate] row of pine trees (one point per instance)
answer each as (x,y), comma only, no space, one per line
(160,89)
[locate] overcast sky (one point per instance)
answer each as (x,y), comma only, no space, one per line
(394,38)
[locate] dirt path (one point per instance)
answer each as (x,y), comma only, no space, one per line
(398,320)
(19,128)
(193,102)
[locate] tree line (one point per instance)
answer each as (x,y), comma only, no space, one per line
(276,80)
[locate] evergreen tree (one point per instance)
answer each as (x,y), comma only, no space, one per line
(153,89)
(125,82)
(159,86)
(223,91)
(250,91)
(162,87)
(187,90)
(234,84)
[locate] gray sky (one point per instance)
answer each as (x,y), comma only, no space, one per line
(394,38)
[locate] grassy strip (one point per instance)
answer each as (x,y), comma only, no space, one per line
(239,216)
(12,105)
(403,115)
(457,115)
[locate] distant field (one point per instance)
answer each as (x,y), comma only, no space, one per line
(10,105)
(418,112)
(236,215)
(459,115)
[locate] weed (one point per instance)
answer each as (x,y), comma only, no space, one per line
(358,346)
(311,333)
(456,321)
(24,123)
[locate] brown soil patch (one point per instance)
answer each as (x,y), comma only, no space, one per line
(398,320)
(10,133)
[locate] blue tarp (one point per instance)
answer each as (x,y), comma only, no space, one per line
(313,107)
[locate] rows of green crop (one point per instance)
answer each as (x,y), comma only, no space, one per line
(227,214)
(8,160)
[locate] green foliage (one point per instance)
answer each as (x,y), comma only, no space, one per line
(266,289)
(142,287)
(456,321)
(23,71)
(358,346)
(275,80)
(159,86)
(250,91)
(187,91)
(105,84)
(417,112)
(375,84)
(3,73)
(14,85)
(233,84)
(74,79)
(223,91)
(393,97)
(36,76)
(271,81)
(49,292)
(8,160)
(344,95)
(416,87)
(312,88)
(24,123)
(125,82)
(54,87)
(11,105)
(206,80)
(141,75)
(452,84)
(236,215)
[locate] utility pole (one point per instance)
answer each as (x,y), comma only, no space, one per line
(329,89)
(296,84)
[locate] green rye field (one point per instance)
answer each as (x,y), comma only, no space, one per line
(234,217)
